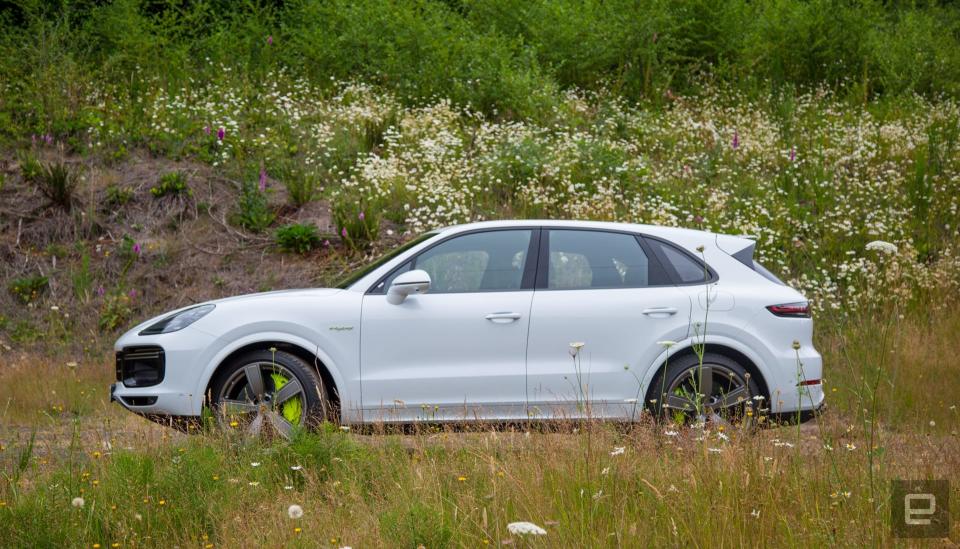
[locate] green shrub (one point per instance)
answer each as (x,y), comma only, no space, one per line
(115,312)
(358,224)
(416,525)
(253,213)
(57,181)
(171,184)
(302,186)
(118,195)
(29,288)
(30,168)
(298,238)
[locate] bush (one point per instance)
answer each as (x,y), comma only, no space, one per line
(29,288)
(118,195)
(253,212)
(417,525)
(171,183)
(57,181)
(298,238)
(358,224)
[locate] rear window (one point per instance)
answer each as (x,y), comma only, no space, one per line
(689,270)
(767,274)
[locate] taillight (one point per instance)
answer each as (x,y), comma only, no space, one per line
(801,309)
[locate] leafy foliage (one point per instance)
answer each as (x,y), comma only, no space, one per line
(298,238)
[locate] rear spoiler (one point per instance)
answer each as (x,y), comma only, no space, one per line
(741,248)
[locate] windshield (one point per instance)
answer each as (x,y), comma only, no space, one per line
(356,275)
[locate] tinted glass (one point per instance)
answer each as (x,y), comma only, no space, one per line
(689,270)
(595,259)
(478,262)
(353,277)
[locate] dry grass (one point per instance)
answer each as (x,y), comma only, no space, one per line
(451,486)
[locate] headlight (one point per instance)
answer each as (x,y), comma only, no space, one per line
(178,321)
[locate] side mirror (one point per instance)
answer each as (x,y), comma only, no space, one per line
(410,282)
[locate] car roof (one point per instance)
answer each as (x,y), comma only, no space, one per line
(688,237)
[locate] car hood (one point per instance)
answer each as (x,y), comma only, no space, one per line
(239,300)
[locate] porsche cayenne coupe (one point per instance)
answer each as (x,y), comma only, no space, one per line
(499,321)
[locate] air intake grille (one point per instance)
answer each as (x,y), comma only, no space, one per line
(140,366)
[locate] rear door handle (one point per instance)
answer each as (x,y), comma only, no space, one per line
(502,318)
(660,311)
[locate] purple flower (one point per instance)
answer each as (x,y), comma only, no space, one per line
(137,249)
(206,130)
(220,133)
(263,179)
(343,232)
(132,294)
(100,291)
(736,139)
(362,216)
(326,243)
(697,219)
(793,153)
(270,40)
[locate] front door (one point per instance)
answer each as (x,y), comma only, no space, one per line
(457,351)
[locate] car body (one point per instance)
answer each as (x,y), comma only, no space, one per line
(517,319)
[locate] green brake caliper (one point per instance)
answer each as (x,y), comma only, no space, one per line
(292,408)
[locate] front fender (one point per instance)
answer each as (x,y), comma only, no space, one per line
(335,356)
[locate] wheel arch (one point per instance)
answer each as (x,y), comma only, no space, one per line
(316,358)
(740,357)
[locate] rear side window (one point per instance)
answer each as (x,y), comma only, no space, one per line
(689,269)
(767,274)
(595,259)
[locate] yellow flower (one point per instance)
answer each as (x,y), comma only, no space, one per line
(462,478)
(215,477)
(114,544)
(297,530)
(96,546)
(162,502)
(96,455)
(234,423)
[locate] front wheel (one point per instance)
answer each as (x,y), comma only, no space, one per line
(720,388)
(268,390)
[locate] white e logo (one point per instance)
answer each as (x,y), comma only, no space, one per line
(910,512)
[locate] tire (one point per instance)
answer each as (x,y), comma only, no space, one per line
(732,388)
(288,395)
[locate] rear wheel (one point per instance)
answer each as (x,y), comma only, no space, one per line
(268,391)
(719,389)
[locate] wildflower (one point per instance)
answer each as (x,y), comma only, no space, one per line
(796,345)
(343,232)
(933,423)
(221,133)
(755,513)
(132,294)
(296,467)
(851,447)
(736,140)
(671,433)
(605,471)
(254,483)
(667,343)
(77,502)
(54,308)
(100,291)
(793,153)
(162,502)
(524,528)
(575,348)
(297,530)
(288,487)
(362,216)
(700,248)
(882,246)
(722,436)
(344,428)
(263,180)
(715,450)
(461,478)
(206,130)
(618,450)
(295,511)
(254,464)
(138,516)
(270,40)
(137,249)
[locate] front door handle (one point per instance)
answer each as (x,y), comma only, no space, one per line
(660,311)
(503,318)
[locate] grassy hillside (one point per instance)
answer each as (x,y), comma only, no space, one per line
(159,153)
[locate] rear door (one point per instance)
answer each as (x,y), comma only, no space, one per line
(608,291)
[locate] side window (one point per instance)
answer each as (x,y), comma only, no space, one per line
(595,259)
(478,262)
(689,269)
